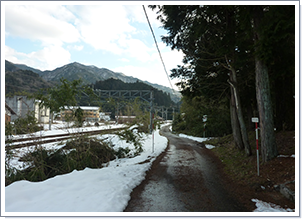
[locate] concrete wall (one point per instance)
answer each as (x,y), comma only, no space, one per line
(22,105)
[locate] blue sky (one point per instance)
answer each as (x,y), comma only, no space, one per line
(104,34)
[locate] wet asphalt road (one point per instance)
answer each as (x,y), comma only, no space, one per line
(185,178)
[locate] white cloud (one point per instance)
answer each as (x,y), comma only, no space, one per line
(109,28)
(124,60)
(137,49)
(102,26)
(171,58)
(48,58)
(12,55)
(42,23)
(136,13)
(77,47)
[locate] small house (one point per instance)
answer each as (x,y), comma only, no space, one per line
(8,113)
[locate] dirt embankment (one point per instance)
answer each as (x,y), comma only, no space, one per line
(242,170)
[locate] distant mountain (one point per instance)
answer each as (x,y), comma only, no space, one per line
(90,75)
(20,81)
(24,67)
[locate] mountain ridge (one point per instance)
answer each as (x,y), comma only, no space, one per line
(91,74)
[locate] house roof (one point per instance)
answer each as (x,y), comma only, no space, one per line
(83,107)
(10,109)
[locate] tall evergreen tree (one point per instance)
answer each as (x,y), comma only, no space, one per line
(209,37)
(236,43)
(270,25)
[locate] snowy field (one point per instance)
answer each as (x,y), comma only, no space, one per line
(93,192)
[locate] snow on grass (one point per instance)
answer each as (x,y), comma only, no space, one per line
(198,139)
(269,207)
(90,190)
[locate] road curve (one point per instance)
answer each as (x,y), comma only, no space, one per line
(184,178)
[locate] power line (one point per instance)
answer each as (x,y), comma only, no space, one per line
(151,29)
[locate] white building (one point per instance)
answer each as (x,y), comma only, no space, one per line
(90,113)
(22,105)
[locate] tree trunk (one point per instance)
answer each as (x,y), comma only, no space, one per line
(235,122)
(268,139)
(243,130)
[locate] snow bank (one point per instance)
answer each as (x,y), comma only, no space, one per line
(269,207)
(90,190)
(198,139)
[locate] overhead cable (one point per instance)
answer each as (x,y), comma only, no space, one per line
(151,29)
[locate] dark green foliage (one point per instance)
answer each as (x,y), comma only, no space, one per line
(179,123)
(131,137)
(9,129)
(217,38)
(76,154)
(191,119)
(89,153)
(24,125)
(79,117)
(122,152)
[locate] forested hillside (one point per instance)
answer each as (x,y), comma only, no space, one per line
(19,81)
(239,63)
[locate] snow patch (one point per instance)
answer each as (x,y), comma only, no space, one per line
(287,155)
(269,207)
(198,139)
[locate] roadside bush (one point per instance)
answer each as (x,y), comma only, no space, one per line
(122,152)
(25,125)
(131,136)
(78,154)
(88,152)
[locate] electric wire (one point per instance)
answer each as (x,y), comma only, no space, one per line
(151,29)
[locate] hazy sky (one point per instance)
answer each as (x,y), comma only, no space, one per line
(107,35)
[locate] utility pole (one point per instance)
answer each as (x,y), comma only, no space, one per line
(151,118)
(151,112)
(166,114)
